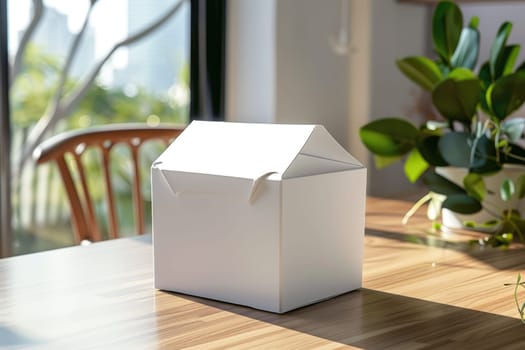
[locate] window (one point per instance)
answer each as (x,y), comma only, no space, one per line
(58,82)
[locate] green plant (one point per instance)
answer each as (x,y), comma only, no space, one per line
(30,92)
(475,128)
(521,308)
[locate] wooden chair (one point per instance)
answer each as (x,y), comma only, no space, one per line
(73,144)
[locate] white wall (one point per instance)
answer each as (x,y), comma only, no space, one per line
(397,30)
(283,69)
(312,84)
(250,57)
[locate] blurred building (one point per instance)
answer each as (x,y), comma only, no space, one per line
(154,63)
(53,37)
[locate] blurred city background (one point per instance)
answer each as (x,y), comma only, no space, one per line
(145,82)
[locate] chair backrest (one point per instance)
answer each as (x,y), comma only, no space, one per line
(66,150)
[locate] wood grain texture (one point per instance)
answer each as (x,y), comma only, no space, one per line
(419,293)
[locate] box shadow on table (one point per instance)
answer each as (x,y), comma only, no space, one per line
(371,319)
(497,258)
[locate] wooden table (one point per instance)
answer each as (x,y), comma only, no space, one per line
(419,292)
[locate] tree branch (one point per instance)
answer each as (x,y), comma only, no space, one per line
(64,105)
(72,53)
(74,97)
(54,110)
(38,11)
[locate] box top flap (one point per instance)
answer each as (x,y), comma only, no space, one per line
(321,154)
(249,150)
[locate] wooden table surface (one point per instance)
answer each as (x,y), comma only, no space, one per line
(420,292)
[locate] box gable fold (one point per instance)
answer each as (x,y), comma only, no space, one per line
(252,153)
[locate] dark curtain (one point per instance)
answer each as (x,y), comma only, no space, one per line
(207,61)
(5,169)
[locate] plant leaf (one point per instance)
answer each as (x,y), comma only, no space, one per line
(507,190)
(486,81)
(421,70)
(462,73)
(389,137)
(415,166)
(462,203)
(474,22)
(484,75)
(513,128)
(508,94)
(521,67)
(498,46)
(475,186)
(485,158)
(520,186)
(447,23)
(428,148)
(515,154)
(486,100)
(438,184)
(455,149)
(462,150)
(382,162)
(457,99)
(506,61)
(467,50)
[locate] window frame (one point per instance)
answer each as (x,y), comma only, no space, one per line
(207,89)
(207,59)
(5,138)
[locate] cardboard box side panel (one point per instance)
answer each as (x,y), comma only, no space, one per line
(218,246)
(322,238)
(160,194)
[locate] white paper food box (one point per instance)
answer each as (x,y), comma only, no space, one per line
(265,215)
